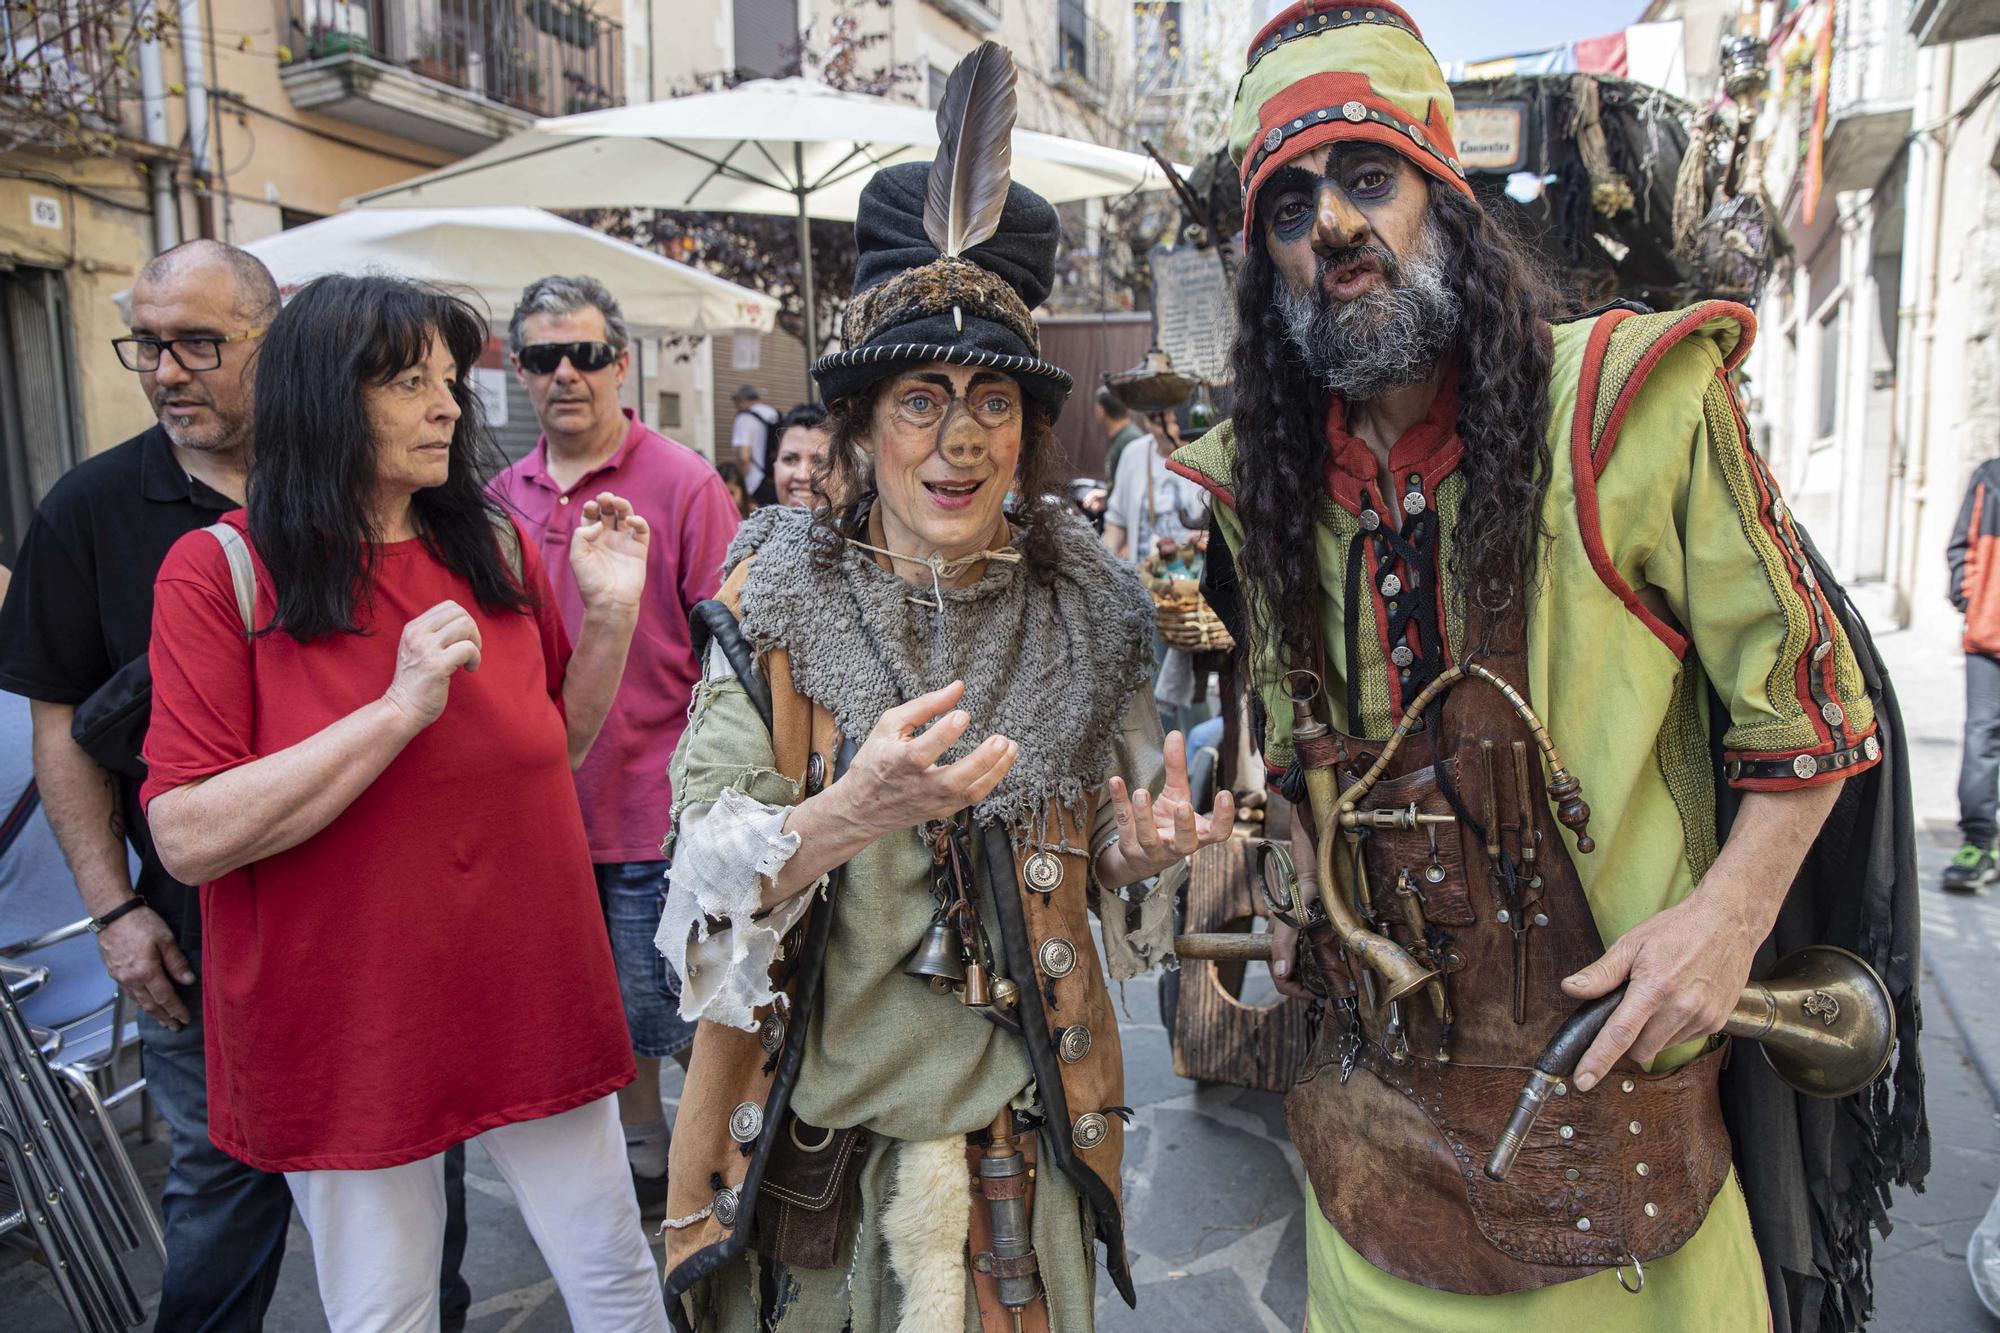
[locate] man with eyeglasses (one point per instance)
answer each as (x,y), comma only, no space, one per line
(571,353)
(78,615)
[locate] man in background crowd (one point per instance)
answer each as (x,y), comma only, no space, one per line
(572,352)
(1974,554)
(78,615)
(752,435)
(1119,429)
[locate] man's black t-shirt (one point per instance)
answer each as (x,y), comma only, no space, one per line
(81,603)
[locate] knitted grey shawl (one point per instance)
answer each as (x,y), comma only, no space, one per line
(1051,666)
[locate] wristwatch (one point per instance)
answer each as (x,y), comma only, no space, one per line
(99,924)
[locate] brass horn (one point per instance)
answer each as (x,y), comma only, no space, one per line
(1402,972)
(1824,1019)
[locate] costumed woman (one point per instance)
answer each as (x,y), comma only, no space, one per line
(922,752)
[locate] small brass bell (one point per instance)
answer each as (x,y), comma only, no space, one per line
(938,956)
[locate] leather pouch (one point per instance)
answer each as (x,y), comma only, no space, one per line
(807,1195)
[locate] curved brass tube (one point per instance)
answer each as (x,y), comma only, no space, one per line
(1564,791)
(1364,946)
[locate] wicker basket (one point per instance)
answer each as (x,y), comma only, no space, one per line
(1187,621)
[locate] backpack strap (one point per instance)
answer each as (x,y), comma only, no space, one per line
(242,573)
(509,538)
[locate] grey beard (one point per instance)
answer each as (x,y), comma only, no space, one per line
(1391,336)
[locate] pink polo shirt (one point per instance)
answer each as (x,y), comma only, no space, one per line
(623,781)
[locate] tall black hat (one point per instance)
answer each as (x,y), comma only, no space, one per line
(953,254)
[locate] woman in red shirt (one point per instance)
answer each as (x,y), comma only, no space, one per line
(402,943)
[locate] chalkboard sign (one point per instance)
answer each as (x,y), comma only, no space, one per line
(1194,311)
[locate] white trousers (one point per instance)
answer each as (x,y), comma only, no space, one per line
(378,1236)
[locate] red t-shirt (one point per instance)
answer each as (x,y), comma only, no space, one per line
(432,963)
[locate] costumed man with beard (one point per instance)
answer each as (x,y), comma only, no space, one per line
(1429,488)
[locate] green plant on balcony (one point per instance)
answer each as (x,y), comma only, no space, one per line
(326,40)
(520,82)
(568,21)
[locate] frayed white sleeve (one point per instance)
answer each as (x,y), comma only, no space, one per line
(724,852)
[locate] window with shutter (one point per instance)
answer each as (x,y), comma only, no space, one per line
(767,37)
(38,386)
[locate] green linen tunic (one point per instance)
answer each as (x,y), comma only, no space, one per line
(1691,523)
(885,1051)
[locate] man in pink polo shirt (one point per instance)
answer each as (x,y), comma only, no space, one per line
(572,352)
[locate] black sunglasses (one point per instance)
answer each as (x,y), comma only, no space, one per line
(543,358)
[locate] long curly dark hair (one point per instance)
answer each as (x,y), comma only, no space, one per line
(1504,352)
(311,498)
(843,482)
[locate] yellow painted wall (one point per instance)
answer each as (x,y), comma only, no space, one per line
(99,248)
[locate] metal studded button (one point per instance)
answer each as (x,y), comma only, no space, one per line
(1354,112)
(1273,139)
(1074,1045)
(1414,502)
(1571,1173)
(1652,1210)
(725,1206)
(1058,957)
(1043,871)
(1583,1224)
(1402,656)
(745,1122)
(815,773)
(1370,519)
(1872,748)
(1391,585)
(1562,1089)
(1090,1130)
(771,1033)
(1566,1132)
(1635,1127)
(1627,1086)
(1805,766)
(1643,1169)
(1831,712)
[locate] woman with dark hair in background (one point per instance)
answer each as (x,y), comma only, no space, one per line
(800,456)
(373,789)
(732,478)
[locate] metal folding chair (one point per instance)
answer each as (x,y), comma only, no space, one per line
(67,1200)
(92,1047)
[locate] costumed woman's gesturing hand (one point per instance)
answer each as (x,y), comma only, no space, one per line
(607,554)
(895,780)
(1154,832)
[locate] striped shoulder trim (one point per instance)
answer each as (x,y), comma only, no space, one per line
(1624,348)
(1210,463)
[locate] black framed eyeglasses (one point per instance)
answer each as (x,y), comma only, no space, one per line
(544,358)
(205,353)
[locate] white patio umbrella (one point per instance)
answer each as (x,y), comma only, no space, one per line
(495,252)
(781,146)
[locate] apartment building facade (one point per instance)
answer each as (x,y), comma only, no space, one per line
(1876,379)
(244,118)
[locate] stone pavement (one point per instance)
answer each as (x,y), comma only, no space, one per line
(1214,1190)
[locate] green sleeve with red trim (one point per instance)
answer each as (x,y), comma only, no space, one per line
(1694,521)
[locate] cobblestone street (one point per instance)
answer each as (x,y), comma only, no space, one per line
(1214,1190)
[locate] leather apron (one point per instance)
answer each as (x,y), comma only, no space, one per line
(1393,1134)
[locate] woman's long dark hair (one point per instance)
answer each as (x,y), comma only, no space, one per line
(1504,354)
(312,490)
(844,481)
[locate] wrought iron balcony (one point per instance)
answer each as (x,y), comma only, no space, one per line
(1935,22)
(457,74)
(1083,50)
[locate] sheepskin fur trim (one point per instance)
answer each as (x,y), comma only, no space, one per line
(936,287)
(925,1223)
